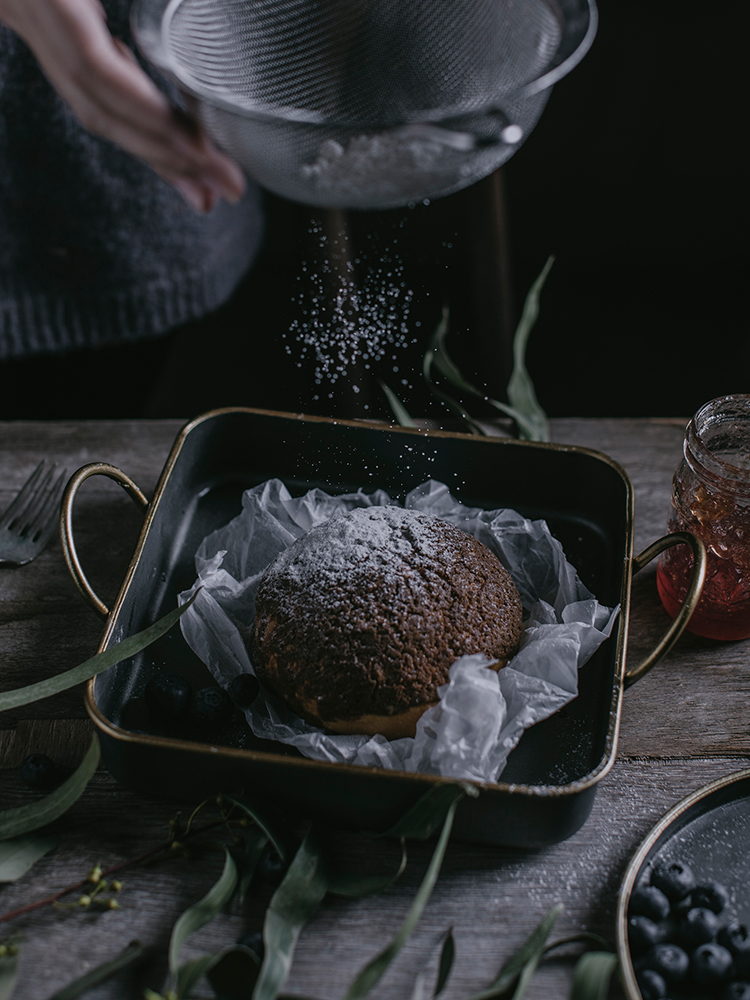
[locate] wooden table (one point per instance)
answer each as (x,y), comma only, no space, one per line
(683,725)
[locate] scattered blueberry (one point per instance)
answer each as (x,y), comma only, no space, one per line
(736,991)
(735,937)
(270,866)
(651,984)
(711,895)
(698,926)
(243,690)
(644,933)
(211,707)
(37,771)
(648,901)
(710,964)
(669,960)
(254,941)
(674,878)
(168,693)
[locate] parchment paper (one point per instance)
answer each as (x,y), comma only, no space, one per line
(482,713)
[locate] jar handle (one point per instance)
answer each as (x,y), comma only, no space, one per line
(692,597)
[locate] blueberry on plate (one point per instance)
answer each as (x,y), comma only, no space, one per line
(698,926)
(648,901)
(711,895)
(651,984)
(243,690)
(211,707)
(37,771)
(736,991)
(168,694)
(644,933)
(710,964)
(674,878)
(669,960)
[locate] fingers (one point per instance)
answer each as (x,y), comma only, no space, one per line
(100,79)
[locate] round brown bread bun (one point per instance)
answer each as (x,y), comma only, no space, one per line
(358,622)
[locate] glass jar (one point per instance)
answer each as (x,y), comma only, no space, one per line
(711,498)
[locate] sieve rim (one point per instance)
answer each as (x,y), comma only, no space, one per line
(150,20)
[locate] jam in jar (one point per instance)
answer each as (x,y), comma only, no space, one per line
(711,498)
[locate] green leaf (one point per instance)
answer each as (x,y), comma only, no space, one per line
(24,819)
(8,972)
(592,975)
(101,973)
(372,972)
(399,410)
(447,955)
(18,855)
(520,389)
(190,973)
(203,911)
(429,812)
(292,905)
(358,886)
(90,668)
(437,356)
(261,820)
(522,965)
(418,992)
(255,843)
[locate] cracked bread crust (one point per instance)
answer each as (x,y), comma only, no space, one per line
(364,615)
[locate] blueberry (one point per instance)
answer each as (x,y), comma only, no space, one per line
(736,991)
(735,937)
(37,771)
(669,960)
(254,941)
(644,933)
(211,707)
(243,690)
(651,984)
(698,926)
(674,878)
(270,867)
(168,694)
(710,964)
(648,901)
(711,895)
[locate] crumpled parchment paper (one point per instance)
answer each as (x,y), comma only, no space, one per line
(482,713)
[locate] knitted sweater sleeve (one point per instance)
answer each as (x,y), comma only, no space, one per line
(95,248)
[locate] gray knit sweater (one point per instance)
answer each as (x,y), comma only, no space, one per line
(95,249)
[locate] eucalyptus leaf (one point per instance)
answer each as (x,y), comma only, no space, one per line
(260,817)
(203,911)
(189,975)
(400,412)
(358,886)
(592,975)
(375,969)
(18,855)
(429,811)
(23,819)
(522,965)
(292,905)
(8,974)
(90,668)
(447,955)
(419,983)
(255,843)
(101,973)
(521,394)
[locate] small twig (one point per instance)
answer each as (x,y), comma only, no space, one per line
(49,900)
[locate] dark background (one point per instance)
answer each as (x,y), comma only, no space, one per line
(633,179)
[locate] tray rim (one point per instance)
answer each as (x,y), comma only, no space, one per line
(638,859)
(190,746)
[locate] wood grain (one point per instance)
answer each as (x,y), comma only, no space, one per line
(682,726)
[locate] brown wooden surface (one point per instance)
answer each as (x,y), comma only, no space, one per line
(682,726)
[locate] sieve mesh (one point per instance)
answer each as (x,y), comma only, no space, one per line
(325,101)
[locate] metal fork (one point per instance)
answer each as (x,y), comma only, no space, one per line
(30,521)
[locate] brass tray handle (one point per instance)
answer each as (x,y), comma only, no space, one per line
(692,597)
(66,524)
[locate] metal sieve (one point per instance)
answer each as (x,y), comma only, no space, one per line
(366,103)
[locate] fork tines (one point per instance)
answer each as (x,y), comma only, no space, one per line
(34,508)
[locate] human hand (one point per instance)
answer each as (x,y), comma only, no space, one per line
(100,79)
